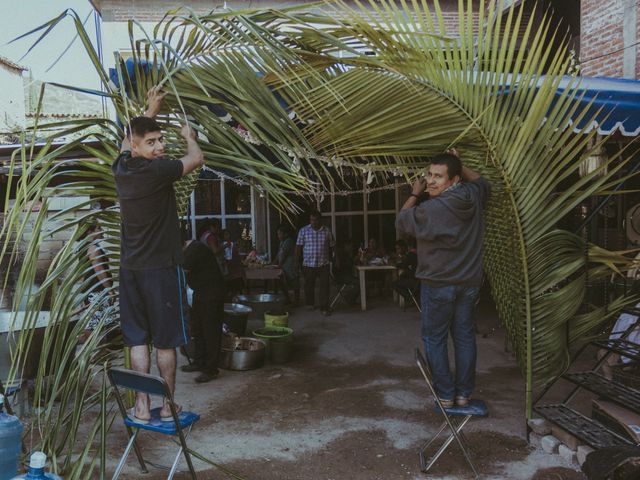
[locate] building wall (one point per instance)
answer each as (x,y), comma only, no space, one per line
(608,31)
(12,109)
(154,10)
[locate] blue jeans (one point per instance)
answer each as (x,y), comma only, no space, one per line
(447,309)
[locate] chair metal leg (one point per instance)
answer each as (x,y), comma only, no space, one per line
(137,450)
(415,301)
(456,434)
(174,466)
(184,449)
(338,295)
(132,441)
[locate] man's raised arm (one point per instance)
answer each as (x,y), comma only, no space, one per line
(469,175)
(194,158)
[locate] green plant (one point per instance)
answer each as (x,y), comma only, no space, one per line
(378,88)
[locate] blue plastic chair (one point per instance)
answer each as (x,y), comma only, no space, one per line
(152,385)
(455,419)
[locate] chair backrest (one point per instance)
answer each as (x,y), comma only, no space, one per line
(423,365)
(140,382)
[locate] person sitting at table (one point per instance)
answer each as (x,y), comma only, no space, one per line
(368,255)
(373,255)
(406,260)
(286,260)
(234,281)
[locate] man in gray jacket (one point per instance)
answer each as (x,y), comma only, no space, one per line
(449,230)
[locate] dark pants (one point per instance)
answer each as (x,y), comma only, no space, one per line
(310,276)
(290,283)
(206,328)
(450,310)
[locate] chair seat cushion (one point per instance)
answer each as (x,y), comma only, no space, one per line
(475,408)
(167,428)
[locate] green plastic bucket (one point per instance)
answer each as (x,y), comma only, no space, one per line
(279,342)
(276,319)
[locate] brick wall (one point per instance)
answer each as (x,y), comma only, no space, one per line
(154,10)
(602,32)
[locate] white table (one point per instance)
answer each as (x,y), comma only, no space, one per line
(362,270)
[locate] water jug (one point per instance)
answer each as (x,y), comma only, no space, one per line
(36,469)
(10,443)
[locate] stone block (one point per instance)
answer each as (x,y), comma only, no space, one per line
(567,454)
(539,426)
(582,452)
(565,437)
(535,440)
(550,444)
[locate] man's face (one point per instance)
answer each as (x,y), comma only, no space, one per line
(314,222)
(149,146)
(438,180)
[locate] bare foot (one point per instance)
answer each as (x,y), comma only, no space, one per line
(165,411)
(143,408)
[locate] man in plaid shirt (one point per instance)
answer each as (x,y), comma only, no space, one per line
(315,247)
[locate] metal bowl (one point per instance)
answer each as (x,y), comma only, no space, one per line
(245,353)
(259,298)
(261,303)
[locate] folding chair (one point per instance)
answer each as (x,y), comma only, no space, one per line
(407,289)
(341,284)
(152,385)
(455,418)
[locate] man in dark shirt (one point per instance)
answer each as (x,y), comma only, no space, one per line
(152,290)
(207,311)
(449,229)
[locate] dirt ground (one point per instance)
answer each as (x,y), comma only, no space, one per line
(351,404)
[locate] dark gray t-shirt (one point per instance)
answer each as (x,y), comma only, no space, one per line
(449,231)
(150,228)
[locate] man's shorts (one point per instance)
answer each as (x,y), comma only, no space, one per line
(153,305)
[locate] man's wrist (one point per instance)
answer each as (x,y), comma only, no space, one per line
(416,195)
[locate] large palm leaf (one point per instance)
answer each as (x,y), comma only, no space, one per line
(421,92)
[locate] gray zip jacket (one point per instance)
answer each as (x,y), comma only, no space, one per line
(449,231)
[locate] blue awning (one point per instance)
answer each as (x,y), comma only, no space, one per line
(620,102)
(618,99)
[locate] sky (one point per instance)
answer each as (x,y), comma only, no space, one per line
(74,67)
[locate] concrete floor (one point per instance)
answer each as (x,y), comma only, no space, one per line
(351,404)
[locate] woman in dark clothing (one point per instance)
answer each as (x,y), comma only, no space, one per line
(205,279)
(285,259)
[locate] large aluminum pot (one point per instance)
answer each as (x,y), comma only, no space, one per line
(244,353)
(235,316)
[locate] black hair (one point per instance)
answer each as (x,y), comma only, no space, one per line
(453,163)
(315,213)
(140,126)
(284,228)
